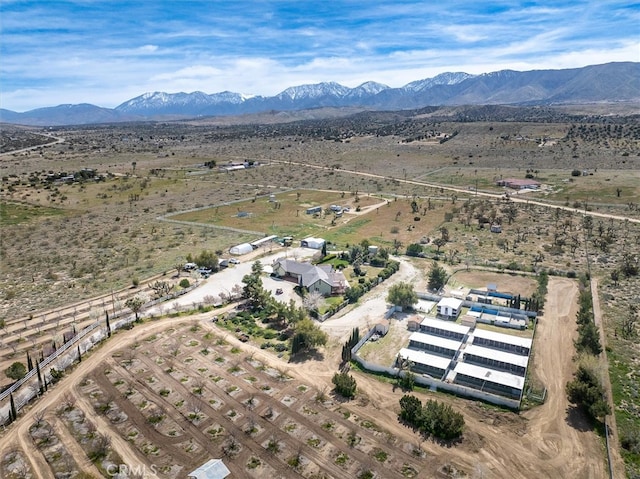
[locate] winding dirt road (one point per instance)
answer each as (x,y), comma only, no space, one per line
(550,441)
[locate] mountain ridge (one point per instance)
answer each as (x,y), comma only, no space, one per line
(610,82)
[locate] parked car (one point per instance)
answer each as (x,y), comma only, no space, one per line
(234,261)
(204,271)
(279,291)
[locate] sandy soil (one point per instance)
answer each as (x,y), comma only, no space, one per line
(550,441)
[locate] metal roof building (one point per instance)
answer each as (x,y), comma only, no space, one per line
(489,380)
(435,344)
(496,359)
(426,363)
(213,469)
(504,342)
(443,328)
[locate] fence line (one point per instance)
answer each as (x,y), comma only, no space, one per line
(77,338)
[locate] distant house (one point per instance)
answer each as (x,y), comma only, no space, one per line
(449,308)
(213,469)
(519,184)
(323,278)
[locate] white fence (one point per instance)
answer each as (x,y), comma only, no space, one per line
(429,381)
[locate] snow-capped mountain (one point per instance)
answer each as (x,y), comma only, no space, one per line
(160,103)
(596,83)
(367,89)
(318,90)
(441,79)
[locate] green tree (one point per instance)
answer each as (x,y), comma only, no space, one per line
(439,242)
(345,385)
(306,336)
(257,297)
(414,249)
(16,371)
(437,277)
(586,391)
(588,339)
(135,304)
(410,409)
(402,294)
(208,259)
(628,328)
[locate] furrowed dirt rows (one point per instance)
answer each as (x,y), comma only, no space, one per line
(238,397)
(171,394)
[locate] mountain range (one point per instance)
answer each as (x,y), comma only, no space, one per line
(611,82)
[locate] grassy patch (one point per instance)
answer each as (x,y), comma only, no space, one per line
(17,213)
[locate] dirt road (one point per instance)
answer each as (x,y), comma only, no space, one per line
(550,441)
(617,464)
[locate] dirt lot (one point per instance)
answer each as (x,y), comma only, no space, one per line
(171,394)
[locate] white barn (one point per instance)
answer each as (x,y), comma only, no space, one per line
(243,248)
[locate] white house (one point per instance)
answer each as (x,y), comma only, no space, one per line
(449,308)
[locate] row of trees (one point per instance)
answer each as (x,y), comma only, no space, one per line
(586,390)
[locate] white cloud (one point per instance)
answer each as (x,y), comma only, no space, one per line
(148,48)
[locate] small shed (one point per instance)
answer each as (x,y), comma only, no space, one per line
(468,320)
(313,243)
(382,327)
(213,469)
(240,249)
(413,324)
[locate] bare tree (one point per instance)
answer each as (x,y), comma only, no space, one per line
(101,446)
(231,447)
(628,327)
(198,386)
(68,401)
(38,417)
(313,301)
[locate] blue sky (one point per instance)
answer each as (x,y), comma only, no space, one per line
(106,52)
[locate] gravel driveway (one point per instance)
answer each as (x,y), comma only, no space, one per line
(224,281)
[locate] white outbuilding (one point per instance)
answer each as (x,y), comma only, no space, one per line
(240,249)
(313,243)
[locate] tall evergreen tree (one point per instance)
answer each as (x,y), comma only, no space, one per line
(108,326)
(40,385)
(29,362)
(14,413)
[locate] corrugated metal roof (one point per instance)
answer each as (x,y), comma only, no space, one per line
(490,375)
(213,469)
